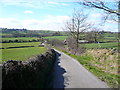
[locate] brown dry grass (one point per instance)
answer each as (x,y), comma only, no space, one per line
(104,59)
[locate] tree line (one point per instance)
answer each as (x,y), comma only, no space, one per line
(28,33)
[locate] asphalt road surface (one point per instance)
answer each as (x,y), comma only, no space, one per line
(69,73)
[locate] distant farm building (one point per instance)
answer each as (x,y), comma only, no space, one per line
(41,45)
(79,41)
(82,41)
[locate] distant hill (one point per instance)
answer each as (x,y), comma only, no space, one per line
(5,32)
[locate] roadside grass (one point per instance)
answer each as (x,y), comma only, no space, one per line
(87,60)
(105,59)
(103,45)
(21,53)
(56,37)
(6,45)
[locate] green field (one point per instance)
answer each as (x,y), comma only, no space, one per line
(106,39)
(6,45)
(56,37)
(101,45)
(20,38)
(1,34)
(21,53)
(35,38)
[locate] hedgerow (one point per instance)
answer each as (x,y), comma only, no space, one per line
(30,74)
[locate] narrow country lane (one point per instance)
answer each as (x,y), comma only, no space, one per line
(69,73)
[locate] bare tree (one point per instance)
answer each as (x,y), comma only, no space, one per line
(71,43)
(76,26)
(95,35)
(112,9)
(55,42)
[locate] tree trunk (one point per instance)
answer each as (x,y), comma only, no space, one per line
(95,37)
(77,39)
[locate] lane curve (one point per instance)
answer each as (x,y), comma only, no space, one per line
(69,73)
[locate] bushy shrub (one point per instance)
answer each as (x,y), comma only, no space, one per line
(19,41)
(55,42)
(30,74)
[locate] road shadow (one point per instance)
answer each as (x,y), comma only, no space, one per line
(57,75)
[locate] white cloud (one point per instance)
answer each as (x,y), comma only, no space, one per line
(65,4)
(33,3)
(53,3)
(10,23)
(96,15)
(96,0)
(95,18)
(110,28)
(28,11)
(56,3)
(25,3)
(111,21)
(54,22)
(56,0)
(50,23)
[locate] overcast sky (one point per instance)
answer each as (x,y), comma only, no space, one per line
(45,14)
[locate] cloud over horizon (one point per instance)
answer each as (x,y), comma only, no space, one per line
(28,12)
(50,23)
